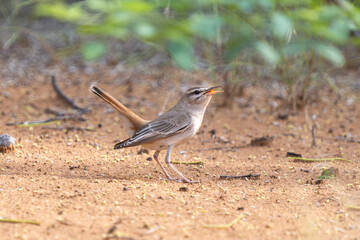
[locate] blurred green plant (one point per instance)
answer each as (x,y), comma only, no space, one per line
(223,35)
(12,27)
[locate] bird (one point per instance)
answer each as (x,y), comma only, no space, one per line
(172,128)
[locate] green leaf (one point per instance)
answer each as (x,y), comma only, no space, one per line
(295,48)
(281,25)
(331,53)
(268,52)
(60,11)
(334,34)
(329,13)
(145,30)
(93,50)
(239,41)
(100,5)
(310,15)
(266,4)
(137,6)
(245,5)
(205,26)
(110,30)
(181,52)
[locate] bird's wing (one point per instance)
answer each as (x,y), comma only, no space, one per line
(162,127)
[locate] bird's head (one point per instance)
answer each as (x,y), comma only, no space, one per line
(200,96)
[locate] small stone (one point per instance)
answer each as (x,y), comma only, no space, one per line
(183,189)
(143,150)
(213,133)
(319,181)
(126,188)
(149,159)
(7,143)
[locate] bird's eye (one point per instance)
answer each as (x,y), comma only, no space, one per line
(196,92)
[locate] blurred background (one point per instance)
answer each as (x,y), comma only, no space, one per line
(295,46)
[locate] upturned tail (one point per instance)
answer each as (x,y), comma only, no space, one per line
(132,118)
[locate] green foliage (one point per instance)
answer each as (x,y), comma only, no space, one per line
(274,30)
(93,50)
(329,173)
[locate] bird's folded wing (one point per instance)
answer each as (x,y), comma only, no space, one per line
(162,127)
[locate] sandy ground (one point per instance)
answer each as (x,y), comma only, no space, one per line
(76,186)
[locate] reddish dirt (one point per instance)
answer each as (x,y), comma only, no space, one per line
(77,187)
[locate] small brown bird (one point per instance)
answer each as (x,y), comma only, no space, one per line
(172,128)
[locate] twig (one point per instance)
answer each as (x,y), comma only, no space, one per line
(68,100)
(351,140)
(60,117)
(187,163)
(151,230)
(240,176)
(312,169)
(6,220)
(244,195)
(313,144)
(318,165)
(69,128)
(354,208)
(76,116)
(319,159)
(224,225)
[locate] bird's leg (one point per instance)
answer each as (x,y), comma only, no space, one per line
(156,157)
(167,160)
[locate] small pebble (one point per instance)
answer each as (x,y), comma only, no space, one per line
(143,150)
(7,143)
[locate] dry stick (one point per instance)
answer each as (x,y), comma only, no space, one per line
(319,159)
(187,163)
(76,116)
(354,208)
(240,176)
(313,136)
(351,140)
(6,220)
(68,100)
(69,128)
(224,225)
(312,169)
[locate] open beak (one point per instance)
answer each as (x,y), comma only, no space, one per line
(214,90)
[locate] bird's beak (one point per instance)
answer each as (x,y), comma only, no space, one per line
(214,90)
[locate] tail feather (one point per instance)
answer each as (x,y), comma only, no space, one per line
(134,119)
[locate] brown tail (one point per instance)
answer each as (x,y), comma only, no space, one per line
(134,119)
